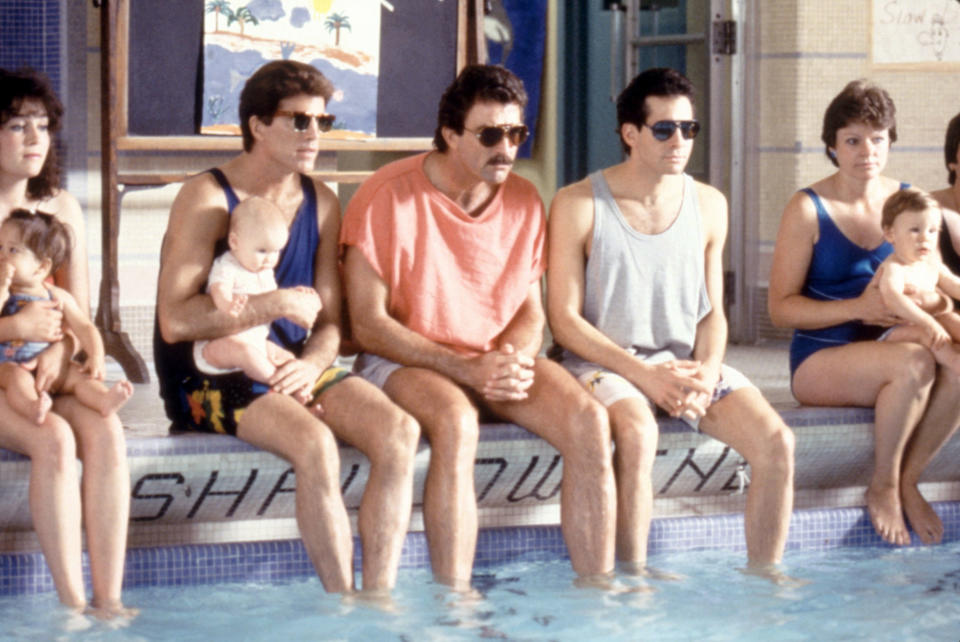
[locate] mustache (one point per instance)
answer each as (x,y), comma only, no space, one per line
(500,159)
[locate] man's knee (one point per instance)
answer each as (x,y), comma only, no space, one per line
(397,446)
(588,440)
(454,436)
(777,454)
(317,452)
(633,425)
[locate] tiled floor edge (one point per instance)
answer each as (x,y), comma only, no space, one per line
(281,560)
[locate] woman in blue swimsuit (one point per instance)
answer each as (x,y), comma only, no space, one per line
(828,248)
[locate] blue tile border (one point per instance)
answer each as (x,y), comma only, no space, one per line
(284,560)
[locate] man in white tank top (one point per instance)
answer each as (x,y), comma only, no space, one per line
(635,298)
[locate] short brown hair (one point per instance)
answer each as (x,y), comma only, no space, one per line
(859,102)
(909,199)
(273,82)
(45,235)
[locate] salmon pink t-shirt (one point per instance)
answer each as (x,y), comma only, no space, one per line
(456,279)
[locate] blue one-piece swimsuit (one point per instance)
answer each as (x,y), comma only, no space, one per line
(17,350)
(839,269)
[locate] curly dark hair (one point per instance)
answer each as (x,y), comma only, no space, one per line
(632,102)
(273,82)
(859,102)
(476,83)
(26,84)
(44,234)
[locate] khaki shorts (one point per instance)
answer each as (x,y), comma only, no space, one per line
(608,388)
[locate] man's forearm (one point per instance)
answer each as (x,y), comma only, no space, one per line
(711,341)
(392,340)
(525,330)
(322,346)
(198,318)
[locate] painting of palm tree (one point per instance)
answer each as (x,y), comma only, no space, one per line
(241,35)
(336,22)
(218,7)
(243,16)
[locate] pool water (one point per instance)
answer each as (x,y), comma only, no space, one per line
(853,594)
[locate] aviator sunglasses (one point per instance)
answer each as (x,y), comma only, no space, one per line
(491,135)
(301,120)
(663,129)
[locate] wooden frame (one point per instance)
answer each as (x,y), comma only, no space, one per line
(114,50)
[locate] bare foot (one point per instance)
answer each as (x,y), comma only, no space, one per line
(459,590)
(112,611)
(605,582)
(774,574)
(640,569)
(886,514)
(925,522)
(44,403)
(116,397)
(379,599)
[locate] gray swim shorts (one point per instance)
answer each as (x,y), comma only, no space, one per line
(374,368)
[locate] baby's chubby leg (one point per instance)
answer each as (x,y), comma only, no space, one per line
(948,355)
(22,392)
(235,352)
(951,323)
(94,394)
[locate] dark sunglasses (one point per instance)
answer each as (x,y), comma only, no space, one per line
(491,135)
(301,120)
(663,129)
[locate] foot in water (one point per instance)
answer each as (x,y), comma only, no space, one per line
(886,514)
(924,521)
(775,575)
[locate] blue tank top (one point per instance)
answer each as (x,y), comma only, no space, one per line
(296,264)
(174,362)
(839,269)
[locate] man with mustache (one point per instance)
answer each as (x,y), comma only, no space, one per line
(443,257)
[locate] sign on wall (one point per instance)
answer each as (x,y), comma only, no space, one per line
(917,33)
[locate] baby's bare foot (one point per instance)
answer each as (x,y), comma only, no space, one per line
(116,397)
(44,403)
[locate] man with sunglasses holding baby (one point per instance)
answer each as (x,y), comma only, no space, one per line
(635,303)
(301,410)
(444,254)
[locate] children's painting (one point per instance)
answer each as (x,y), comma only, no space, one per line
(341,38)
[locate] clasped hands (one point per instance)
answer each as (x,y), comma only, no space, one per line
(683,388)
(502,375)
